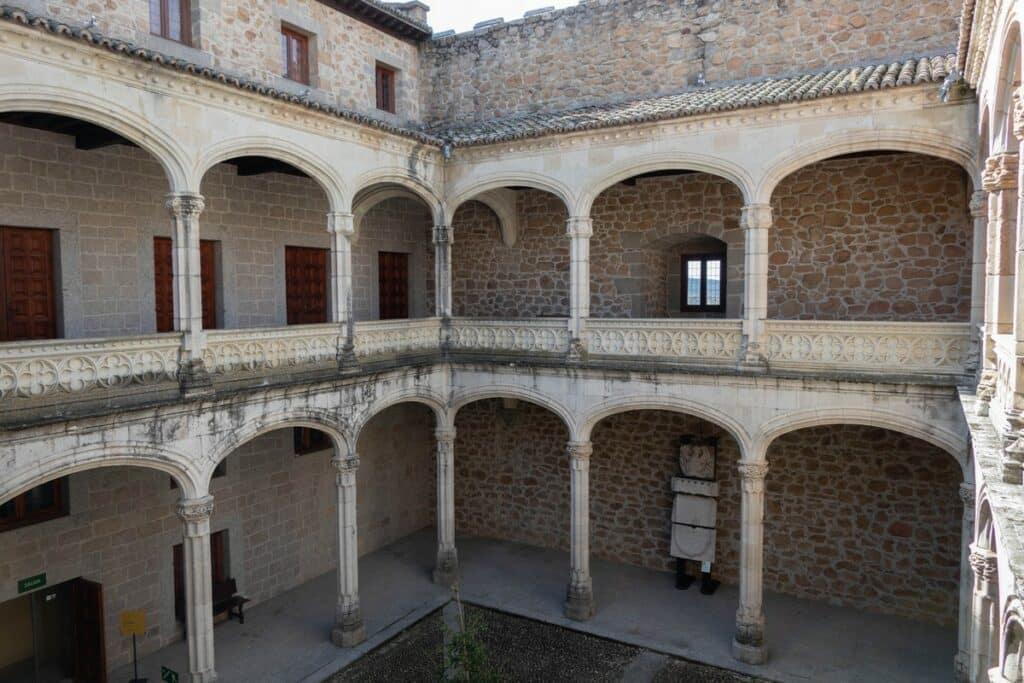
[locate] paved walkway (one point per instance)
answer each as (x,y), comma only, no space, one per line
(286,639)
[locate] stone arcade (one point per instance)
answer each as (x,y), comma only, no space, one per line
(268,311)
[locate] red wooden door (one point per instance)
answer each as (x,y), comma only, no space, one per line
(27,284)
(306,285)
(163,276)
(89,645)
(393,285)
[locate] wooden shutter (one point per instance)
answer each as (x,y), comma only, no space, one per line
(208,278)
(393,285)
(88,642)
(385,89)
(27,284)
(295,53)
(305,285)
(163,283)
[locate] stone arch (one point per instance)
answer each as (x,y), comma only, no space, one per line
(713,415)
(126,123)
(481,185)
(306,161)
(1012,57)
(184,469)
(955,444)
(322,420)
(1011,666)
(427,398)
(382,184)
(716,166)
(464,398)
(920,141)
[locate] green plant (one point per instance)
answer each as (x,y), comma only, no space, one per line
(466,658)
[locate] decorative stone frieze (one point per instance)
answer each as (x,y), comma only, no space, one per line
(1018,112)
(1000,172)
(984,564)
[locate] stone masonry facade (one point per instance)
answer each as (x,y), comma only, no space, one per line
(602,50)
(855,516)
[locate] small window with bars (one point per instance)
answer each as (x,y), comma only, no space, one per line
(703,283)
(171,19)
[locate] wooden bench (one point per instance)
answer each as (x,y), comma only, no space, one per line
(225,599)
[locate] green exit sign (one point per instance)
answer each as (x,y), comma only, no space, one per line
(32,583)
(167,675)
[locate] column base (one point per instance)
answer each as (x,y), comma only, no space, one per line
(193,379)
(579,603)
(962,668)
(348,635)
(446,569)
(749,654)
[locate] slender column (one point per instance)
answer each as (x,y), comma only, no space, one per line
(443,270)
(341,227)
(579,229)
(195,514)
(188,291)
(962,663)
(999,180)
(348,620)
(579,604)
(446,569)
(982,357)
(756,220)
(749,643)
(985,623)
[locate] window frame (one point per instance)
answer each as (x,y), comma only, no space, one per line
(305,441)
(61,508)
(162,8)
(386,101)
(288,34)
(703,258)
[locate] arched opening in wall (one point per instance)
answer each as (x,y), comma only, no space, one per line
(77,550)
(512,490)
(510,255)
(986,603)
(392,254)
(82,201)
(865,518)
(664,487)
(872,236)
(645,225)
(264,247)
(1012,668)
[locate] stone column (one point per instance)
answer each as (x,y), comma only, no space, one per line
(756,220)
(443,270)
(579,604)
(579,229)
(348,620)
(982,357)
(749,643)
(195,514)
(985,608)
(341,228)
(185,208)
(446,569)
(962,663)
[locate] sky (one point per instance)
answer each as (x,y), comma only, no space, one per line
(462,14)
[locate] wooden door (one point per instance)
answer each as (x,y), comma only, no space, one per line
(90,649)
(306,285)
(163,275)
(27,284)
(393,285)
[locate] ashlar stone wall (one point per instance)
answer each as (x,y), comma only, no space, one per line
(602,50)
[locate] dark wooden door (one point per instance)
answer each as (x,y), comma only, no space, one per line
(90,649)
(27,284)
(393,285)
(306,285)
(163,275)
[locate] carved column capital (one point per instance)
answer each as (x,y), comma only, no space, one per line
(579,226)
(967,495)
(445,436)
(195,513)
(1018,113)
(979,204)
(340,223)
(984,563)
(346,464)
(442,234)
(1000,172)
(185,204)
(579,450)
(755,216)
(752,475)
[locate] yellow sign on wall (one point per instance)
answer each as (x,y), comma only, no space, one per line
(133,623)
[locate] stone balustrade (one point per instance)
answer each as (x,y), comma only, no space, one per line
(43,368)
(889,348)
(57,366)
(714,341)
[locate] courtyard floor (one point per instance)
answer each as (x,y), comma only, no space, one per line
(286,639)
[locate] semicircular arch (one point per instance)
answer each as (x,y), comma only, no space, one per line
(480,185)
(461,399)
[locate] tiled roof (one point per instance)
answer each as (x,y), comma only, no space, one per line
(387,16)
(704,100)
(690,102)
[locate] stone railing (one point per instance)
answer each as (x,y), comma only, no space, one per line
(229,351)
(397,337)
(1006,397)
(40,368)
(868,347)
(541,335)
(706,341)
